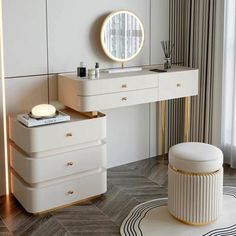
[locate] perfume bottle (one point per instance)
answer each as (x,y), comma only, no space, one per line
(97,70)
(81,71)
(91,73)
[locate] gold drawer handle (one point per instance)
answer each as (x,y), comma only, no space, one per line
(70,163)
(178,85)
(70,192)
(124,99)
(69,135)
(124,86)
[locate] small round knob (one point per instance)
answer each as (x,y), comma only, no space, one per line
(70,163)
(178,85)
(124,86)
(69,135)
(70,192)
(124,99)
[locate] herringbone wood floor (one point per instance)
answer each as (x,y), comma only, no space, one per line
(128,186)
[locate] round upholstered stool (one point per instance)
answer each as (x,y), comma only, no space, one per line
(195,183)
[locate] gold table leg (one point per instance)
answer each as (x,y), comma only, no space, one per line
(163,127)
(187,119)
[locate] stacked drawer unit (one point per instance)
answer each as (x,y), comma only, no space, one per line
(59,164)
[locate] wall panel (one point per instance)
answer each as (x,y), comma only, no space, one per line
(159,32)
(127,134)
(159,29)
(24,93)
(21,95)
(74,32)
(25,37)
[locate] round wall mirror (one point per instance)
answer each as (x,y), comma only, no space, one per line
(122,36)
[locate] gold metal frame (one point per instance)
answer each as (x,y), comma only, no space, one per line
(186,123)
(163,127)
(187,119)
(102,33)
(193,174)
(66,205)
(193,224)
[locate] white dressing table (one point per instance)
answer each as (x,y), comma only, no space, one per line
(124,89)
(50,171)
(129,88)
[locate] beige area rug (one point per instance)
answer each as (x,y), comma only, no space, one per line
(153,219)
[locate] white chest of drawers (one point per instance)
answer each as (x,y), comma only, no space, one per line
(58,164)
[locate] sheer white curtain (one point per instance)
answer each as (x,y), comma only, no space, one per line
(229,85)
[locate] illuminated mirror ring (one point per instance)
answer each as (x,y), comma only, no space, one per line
(122,36)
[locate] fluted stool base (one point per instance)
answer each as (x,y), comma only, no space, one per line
(195,198)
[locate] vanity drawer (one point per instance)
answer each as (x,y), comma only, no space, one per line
(178,84)
(79,130)
(56,194)
(107,101)
(35,170)
(108,83)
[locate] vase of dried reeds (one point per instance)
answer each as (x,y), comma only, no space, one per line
(167,47)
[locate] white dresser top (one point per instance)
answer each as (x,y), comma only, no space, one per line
(145,72)
(105,75)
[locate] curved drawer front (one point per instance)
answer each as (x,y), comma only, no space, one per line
(35,170)
(39,199)
(108,83)
(45,138)
(101,102)
(178,84)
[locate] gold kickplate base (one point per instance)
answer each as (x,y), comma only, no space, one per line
(193,224)
(67,205)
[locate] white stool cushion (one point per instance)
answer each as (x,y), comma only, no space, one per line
(196,157)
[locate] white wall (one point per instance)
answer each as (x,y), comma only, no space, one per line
(73,35)
(25,37)
(159,31)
